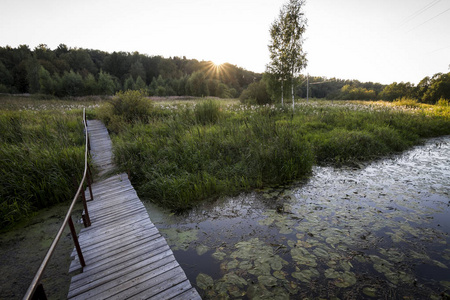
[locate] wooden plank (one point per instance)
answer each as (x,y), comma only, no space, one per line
(116,206)
(119,223)
(113,261)
(104,243)
(118,242)
(101,273)
(114,232)
(144,266)
(147,282)
(191,294)
(92,262)
(121,284)
(167,293)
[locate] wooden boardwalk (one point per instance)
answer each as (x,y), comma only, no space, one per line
(125,255)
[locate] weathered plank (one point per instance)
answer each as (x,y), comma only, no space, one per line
(126,256)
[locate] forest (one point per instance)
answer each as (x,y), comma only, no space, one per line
(73,72)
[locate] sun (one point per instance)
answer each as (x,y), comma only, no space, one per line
(218,64)
(215,69)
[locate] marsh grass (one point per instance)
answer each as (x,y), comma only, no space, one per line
(179,153)
(189,152)
(41,159)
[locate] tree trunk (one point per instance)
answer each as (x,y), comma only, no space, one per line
(292,91)
(282,93)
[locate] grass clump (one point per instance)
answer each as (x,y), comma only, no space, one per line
(207,112)
(41,159)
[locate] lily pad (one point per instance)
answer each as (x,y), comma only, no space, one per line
(346,265)
(179,239)
(267,280)
(201,249)
(370,291)
(204,281)
(245,265)
(280,274)
(303,257)
(319,252)
(306,275)
(277,263)
(234,291)
(331,273)
(232,264)
(345,280)
(234,279)
(219,255)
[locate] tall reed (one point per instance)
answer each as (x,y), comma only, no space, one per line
(41,157)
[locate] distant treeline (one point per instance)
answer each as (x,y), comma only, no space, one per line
(429,90)
(79,72)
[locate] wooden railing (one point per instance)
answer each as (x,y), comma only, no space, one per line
(36,290)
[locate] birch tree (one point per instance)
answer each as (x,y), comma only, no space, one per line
(286,44)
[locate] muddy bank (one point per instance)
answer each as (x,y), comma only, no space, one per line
(23,248)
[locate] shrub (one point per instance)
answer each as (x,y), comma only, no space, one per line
(407,102)
(256,93)
(443,102)
(131,106)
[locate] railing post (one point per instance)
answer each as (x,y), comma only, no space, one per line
(86,218)
(39,293)
(89,176)
(77,244)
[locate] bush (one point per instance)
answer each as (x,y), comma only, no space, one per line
(131,106)
(256,93)
(407,102)
(443,102)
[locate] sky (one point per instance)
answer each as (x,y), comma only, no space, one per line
(381,41)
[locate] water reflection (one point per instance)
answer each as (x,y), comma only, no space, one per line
(380,231)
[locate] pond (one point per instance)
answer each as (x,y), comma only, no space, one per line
(377,231)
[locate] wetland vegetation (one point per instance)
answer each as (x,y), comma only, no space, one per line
(181,153)
(281,236)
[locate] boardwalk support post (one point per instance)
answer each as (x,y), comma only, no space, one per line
(86,218)
(75,241)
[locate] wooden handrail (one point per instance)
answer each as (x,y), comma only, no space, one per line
(35,286)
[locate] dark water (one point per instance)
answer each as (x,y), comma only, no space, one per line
(378,231)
